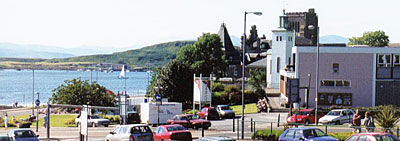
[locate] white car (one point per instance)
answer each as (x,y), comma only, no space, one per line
(131,132)
(94,121)
(338,116)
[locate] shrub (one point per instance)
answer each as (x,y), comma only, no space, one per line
(71,121)
(387,118)
(218,87)
(231,89)
(190,111)
(9,124)
(24,124)
(340,136)
(266,134)
(115,119)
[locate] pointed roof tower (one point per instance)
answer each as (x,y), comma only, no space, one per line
(231,53)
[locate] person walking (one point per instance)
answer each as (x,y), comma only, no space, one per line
(369,122)
(6,121)
(357,122)
(45,121)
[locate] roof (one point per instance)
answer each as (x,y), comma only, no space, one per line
(171,125)
(304,128)
(306,110)
(340,109)
(259,64)
(372,133)
(132,125)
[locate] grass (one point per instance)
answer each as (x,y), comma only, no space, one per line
(341,136)
(55,120)
(249,109)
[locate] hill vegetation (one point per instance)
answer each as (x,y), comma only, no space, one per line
(156,55)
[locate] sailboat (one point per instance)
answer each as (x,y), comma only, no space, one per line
(122,74)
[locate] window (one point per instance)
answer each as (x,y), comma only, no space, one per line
(277,38)
(384,60)
(289,134)
(339,99)
(122,130)
(362,138)
(280,38)
(335,67)
(335,83)
(298,134)
(396,60)
(270,66)
(319,133)
(294,62)
(278,61)
(353,138)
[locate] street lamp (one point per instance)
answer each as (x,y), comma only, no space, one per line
(312,27)
(243,64)
(37,114)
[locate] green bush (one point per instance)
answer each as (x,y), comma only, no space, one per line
(115,119)
(71,121)
(9,124)
(387,118)
(24,124)
(231,89)
(266,134)
(218,87)
(190,111)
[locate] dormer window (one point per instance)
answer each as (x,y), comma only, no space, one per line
(335,67)
(277,38)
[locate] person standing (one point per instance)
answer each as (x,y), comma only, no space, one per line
(369,122)
(45,121)
(357,122)
(6,121)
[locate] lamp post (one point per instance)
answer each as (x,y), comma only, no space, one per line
(33,91)
(312,27)
(37,114)
(243,64)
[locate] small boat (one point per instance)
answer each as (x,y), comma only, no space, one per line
(122,74)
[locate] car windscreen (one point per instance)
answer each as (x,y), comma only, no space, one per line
(302,113)
(94,117)
(334,113)
(24,134)
(225,108)
(175,128)
(140,129)
(387,137)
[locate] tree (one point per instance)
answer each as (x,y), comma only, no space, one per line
(257,80)
(78,92)
(176,78)
(372,38)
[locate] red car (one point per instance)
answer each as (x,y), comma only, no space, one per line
(305,116)
(372,137)
(172,132)
(189,121)
(208,113)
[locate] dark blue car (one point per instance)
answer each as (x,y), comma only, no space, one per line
(305,134)
(23,135)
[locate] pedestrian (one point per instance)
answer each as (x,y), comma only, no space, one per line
(357,122)
(13,119)
(369,122)
(45,121)
(6,121)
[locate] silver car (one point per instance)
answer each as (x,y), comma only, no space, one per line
(136,132)
(225,111)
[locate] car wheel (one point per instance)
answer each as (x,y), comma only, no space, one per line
(307,122)
(93,124)
(106,125)
(337,122)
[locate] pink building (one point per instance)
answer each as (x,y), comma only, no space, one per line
(348,76)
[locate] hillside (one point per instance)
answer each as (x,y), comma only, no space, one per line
(156,55)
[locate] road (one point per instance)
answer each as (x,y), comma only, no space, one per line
(218,128)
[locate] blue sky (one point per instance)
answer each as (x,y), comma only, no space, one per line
(123,23)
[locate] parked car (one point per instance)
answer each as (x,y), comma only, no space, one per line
(23,135)
(94,121)
(225,111)
(172,132)
(132,118)
(306,134)
(338,117)
(208,113)
(5,138)
(305,116)
(136,132)
(373,137)
(189,121)
(215,139)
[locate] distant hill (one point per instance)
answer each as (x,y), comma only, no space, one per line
(156,55)
(333,39)
(11,50)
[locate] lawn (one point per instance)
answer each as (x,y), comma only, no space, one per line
(249,109)
(55,120)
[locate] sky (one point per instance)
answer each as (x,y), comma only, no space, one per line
(124,23)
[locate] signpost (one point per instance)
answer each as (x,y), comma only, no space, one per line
(122,107)
(37,102)
(292,92)
(84,122)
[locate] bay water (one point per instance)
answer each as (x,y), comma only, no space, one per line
(17,86)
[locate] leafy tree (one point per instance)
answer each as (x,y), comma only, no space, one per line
(257,81)
(176,78)
(78,92)
(372,38)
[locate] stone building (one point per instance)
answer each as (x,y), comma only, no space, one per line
(299,22)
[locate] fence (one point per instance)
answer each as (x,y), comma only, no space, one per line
(251,126)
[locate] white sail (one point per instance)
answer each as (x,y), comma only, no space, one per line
(122,74)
